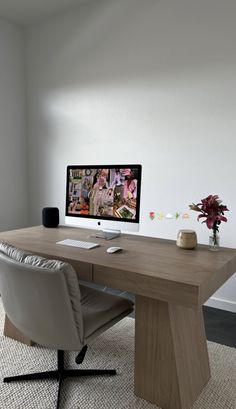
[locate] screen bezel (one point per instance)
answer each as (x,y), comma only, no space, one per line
(83,216)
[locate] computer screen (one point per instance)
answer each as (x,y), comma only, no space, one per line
(108,193)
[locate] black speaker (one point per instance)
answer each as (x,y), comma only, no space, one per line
(50,216)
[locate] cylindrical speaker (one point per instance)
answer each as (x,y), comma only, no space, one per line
(50,216)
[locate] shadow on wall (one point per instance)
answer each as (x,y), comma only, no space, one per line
(113,41)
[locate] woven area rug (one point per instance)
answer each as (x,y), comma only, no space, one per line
(113,349)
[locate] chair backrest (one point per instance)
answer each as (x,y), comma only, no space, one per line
(41,297)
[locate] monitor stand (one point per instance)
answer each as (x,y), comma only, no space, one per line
(109,234)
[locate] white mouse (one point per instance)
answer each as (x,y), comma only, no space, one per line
(113,249)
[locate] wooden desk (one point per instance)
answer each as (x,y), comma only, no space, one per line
(170,283)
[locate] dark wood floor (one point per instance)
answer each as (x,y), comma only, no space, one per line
(220,325)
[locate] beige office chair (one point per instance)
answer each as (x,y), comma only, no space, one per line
(44,300)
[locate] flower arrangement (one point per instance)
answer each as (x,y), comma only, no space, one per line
(212,209)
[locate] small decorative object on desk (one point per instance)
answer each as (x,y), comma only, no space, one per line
(213,212)
(187,239)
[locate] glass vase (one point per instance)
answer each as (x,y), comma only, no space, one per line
(214,241)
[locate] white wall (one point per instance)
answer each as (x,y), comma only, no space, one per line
(13,172)
(150,82)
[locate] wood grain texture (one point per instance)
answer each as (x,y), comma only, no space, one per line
(148,286)
(155,375)
(171,359)
(170,283)
(191,354)
(148,264)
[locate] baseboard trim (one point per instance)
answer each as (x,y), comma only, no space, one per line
(222,304)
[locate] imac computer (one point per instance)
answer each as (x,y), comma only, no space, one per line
(104,197)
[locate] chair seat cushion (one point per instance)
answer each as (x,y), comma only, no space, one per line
(94,311)
(99,307)
(54,265)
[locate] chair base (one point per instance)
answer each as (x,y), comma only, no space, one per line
(60,374)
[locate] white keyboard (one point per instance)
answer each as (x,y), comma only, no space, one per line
(77,243)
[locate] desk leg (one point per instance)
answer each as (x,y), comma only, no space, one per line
(171,357)
(12,332)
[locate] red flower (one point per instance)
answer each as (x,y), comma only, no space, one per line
(212,210)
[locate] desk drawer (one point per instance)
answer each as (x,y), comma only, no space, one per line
(84,270)
(112,278)
(147,285)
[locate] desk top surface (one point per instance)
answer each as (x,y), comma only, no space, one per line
(143,259)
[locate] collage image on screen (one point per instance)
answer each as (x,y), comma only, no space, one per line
(103,192)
